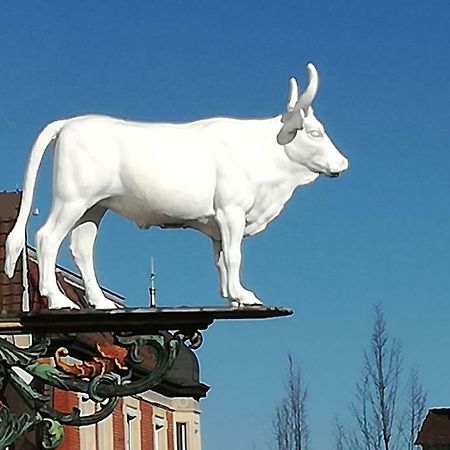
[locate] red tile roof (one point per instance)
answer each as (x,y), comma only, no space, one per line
(10,289)
(435,428)
(183,378)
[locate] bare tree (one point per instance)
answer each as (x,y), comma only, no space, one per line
(340,435)
(416,408)
(378,422)
(375,409)
(290,426)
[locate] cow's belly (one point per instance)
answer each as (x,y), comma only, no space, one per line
(148,212)
(162,188)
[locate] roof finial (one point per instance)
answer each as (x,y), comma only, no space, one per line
(152,288)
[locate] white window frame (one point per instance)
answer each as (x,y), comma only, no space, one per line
(181,433)
(159,426)
(130,417)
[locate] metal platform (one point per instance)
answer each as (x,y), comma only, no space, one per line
(131,320)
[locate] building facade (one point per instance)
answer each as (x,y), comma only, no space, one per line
(435,431)
(167,418)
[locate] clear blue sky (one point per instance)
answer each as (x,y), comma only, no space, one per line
(381,233)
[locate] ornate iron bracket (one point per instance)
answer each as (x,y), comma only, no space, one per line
(102,378)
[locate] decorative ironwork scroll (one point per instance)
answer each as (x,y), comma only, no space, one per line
(103,379)
(13,427)
(116,371)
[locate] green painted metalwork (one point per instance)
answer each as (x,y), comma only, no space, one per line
(104,389)
(13,427)
(53,434)
(132,329)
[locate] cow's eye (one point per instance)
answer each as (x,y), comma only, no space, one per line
(316,134)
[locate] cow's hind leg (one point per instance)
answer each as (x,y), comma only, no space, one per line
(220,264)
(62,218)
(231,223)
(82,248)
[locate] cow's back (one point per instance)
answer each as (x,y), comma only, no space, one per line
(138,169)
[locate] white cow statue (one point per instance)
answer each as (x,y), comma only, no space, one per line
(225,177)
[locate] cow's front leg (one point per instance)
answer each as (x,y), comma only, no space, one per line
(220,264)
(231,223)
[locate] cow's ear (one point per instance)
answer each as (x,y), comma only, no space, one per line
(285,136)
(292,122)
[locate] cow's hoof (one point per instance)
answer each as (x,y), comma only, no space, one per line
(249,299)
(61,302)
(103,303)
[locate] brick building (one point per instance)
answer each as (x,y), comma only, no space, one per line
(167,418)
(435,431)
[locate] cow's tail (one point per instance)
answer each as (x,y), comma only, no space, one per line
(16,238)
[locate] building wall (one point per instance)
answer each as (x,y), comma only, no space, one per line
(147,422)
(147,425)
(178,410)
(436,447)
(153,425)
(11,290)
(97,436)
(65,401)
(185,414)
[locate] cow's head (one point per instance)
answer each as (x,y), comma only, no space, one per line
(303,136)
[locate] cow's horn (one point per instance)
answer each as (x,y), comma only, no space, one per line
(293,94)
(307,97)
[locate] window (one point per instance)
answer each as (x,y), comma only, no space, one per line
(131,422)
(88,434)
(159,439)
(181,429)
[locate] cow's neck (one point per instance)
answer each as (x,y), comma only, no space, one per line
(290,173)
(277,186)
